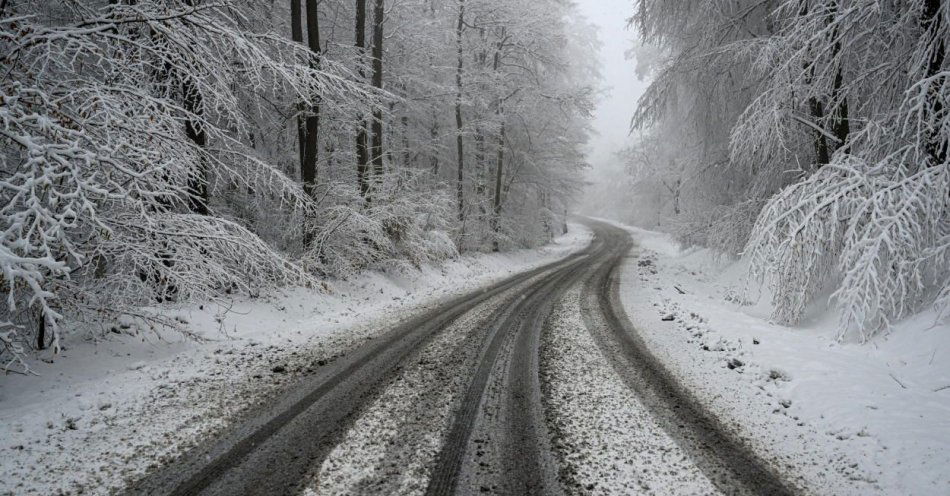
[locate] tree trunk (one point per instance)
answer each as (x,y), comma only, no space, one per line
(41,332)
(458,113)
(434,133)
(376,150)
(362,153)
(500,161)
(296,34)
(198,194)
(480,172)
(499,171)
(932,21)
(822,156)
(676,197)
(193,103)
(308,172)
(840,126)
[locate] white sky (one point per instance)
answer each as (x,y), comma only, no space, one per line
(612,119)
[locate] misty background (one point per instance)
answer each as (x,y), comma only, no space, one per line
(621,88)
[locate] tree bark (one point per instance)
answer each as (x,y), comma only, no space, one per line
(362,152)
(376,149)
(41,332)
(308,172)
(932,21)
(458,112)
(198,194)
(500,160)
(481,172)
(822,156)
(499,171)
(296,34)
(839,124)
(434,133)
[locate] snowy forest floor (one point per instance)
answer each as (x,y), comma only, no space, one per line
(840,418)
(101,413)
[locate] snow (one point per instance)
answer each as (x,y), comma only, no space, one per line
(394,443)
(844,418)
(607,440)
(100,413)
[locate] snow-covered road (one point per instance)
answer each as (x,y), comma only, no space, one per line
(481,396)
(541,383)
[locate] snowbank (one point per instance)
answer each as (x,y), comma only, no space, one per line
(101,413)
(841,418)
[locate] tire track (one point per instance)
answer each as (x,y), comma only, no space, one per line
(272,451)
(511,453)
(726,461)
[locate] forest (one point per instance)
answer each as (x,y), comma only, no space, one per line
(168,151)
(809,136)
(456,247)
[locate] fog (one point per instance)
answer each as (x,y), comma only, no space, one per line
(621,90)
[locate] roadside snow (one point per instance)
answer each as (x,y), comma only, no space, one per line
(843,418)
(99,414)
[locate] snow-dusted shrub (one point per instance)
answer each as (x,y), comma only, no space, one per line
(117,122)
(404,223)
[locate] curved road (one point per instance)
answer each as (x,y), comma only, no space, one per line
(482,401)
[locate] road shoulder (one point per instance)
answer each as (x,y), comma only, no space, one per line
(827,412)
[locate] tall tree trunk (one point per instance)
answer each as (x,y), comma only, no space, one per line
(198,194)
(499,171)
(932,21)
(500,159)
(296,34)
(458,112)
(362,152)
(376,149)
(839,124)
(434,133)
(676,196)
(308,170)
(822,155)
(481,172)
(41,331)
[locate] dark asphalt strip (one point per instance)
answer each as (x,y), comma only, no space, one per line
(724,459)
(270,452)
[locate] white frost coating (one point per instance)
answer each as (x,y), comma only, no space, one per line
(843,418)
(101,168)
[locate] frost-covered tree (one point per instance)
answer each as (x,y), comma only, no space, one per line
(164,151)
(874,211)
(119,120)
(825,122)
(700,86)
